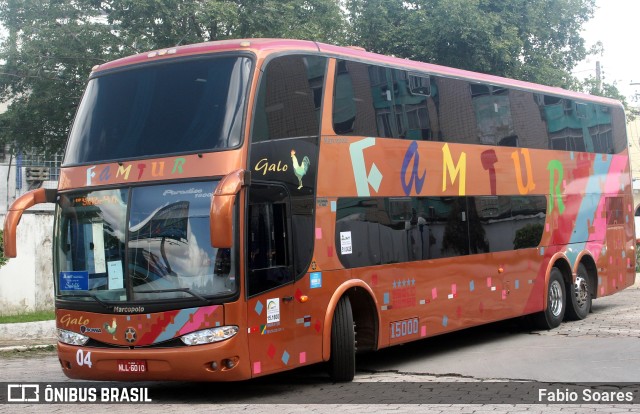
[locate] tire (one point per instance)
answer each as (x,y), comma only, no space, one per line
(579,302)
(553,314)
(342,365)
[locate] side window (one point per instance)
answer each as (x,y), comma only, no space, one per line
(378,101)
(268,239)
(493,114)
(289,98)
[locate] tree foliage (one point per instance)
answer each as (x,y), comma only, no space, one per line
(51,45)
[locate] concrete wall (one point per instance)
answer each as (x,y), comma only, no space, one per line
(26,282)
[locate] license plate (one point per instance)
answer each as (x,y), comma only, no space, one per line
(133,366)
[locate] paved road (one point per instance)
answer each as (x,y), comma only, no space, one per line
(440,372)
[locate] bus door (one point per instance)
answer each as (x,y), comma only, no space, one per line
(269,280)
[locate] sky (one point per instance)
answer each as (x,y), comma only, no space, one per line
(616,24)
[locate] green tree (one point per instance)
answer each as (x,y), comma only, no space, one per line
(52,45)
(47,56)
(533,40)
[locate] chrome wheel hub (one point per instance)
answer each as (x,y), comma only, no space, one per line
(581,291)
(555,298)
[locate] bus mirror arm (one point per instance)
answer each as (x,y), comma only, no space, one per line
(30,199)
(221,211)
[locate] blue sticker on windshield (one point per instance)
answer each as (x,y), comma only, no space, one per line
(74,280)
(316,280)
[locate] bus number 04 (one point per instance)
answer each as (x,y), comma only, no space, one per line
(404,328)
(83,359)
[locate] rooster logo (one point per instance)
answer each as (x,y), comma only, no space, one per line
(111,328)
(300,169)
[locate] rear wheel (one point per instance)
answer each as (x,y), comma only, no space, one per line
(342,366)
(552,316)
(579,303)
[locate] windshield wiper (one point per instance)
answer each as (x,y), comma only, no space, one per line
(184,290)
(94,297)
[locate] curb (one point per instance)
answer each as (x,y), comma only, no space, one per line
(22,336)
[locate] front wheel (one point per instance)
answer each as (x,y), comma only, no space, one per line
(342,366)
(552,316)
(579,303)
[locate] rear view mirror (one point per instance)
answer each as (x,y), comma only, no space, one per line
(30,199)
(221,211)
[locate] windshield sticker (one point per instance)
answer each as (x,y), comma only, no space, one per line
(273,310)
(74,280)
(316,280)
(345,242)
(116,278)
(97,230)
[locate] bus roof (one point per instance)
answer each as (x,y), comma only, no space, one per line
(266,46)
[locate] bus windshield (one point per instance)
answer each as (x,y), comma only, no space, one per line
(165,108)
(140,244)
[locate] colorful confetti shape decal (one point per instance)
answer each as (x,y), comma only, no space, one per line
(504,294)
(386,298)
(271,351)
(454,289)
(602,291)
(542,251)
(445,321)
(517,284)
(303,357)
(318,326)
(488,282)
(257,367)
(259,307)
(319,233)
(285,358)
(459,312)
(472,286)
(434,293)
(334,206)
(423,331)
(329,251)
(374,279)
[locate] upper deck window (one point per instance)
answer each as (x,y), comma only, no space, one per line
(178,106)
(289,98)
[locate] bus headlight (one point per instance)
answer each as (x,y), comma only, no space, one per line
(207,336)
(71,338)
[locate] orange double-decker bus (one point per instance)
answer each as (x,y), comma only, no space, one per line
(232,209)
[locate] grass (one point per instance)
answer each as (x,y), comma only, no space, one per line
(29,317)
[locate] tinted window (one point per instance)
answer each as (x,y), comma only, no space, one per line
(376,231)
(172,107)
(290,98)
(386,102)
(378,101)
(268,239)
